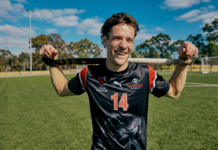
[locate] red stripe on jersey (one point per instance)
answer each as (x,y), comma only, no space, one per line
(83,77)
(152,77)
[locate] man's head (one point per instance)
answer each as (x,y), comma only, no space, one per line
(119,18)
(118,34)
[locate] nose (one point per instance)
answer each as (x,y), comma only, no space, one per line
(123,44)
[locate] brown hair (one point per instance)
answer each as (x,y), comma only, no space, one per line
(117,19)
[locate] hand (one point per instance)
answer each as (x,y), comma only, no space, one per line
(187,50)
(49,52)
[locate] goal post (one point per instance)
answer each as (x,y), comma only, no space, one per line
(209,64)
(80,67)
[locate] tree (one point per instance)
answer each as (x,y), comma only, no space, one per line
(86,46)
(211,49)
(211,30)
(70,48)
(24,59)
(14,63)
(149,48)
(162,44)
(135,54)
(85,55)
(59,44)
(40,41)
(144,48)
(175,47)
(37,63)
(4,56)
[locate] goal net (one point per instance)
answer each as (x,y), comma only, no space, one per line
(80,67)
(209,64)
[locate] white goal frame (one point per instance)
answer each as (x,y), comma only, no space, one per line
(206,63)
(80,67)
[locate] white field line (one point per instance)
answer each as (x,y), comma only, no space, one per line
(199,84)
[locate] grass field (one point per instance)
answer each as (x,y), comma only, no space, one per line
(33,117)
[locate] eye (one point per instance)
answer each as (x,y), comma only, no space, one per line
(130,40)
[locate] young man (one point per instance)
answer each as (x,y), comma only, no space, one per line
(118,90)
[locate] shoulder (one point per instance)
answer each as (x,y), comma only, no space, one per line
(95,70)
(138,66)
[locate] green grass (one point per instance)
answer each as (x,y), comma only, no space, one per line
(33,117)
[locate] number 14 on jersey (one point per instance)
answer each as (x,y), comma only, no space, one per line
(123,101)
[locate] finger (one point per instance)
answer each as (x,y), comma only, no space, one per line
(47,49)
(189,49)
(47,54)
(41,51)
(186,46)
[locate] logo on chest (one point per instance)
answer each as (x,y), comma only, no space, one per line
(119,84)
(102,82)
(135,84)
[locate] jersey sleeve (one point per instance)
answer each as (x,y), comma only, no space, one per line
(77,85)
(157,85)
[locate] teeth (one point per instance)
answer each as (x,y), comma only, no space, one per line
(120,53)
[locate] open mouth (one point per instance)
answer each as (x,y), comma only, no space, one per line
(120,53)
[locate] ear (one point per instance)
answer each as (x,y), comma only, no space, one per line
(104,41)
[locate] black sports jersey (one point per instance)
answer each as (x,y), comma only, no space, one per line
(119,103)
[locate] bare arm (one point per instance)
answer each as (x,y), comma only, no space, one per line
(58,79)
(59,82)
(178,79)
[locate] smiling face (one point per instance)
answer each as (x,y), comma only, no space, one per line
(119,46)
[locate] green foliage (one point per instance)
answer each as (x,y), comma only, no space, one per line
(211,30)
(83,49)
(135,54)
(40,41)
(59,44)
(86,46)
(155,47)
(37,63)
(14,63)
(85,55)
(210,50)
(4,59)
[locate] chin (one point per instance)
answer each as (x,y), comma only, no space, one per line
(121,62)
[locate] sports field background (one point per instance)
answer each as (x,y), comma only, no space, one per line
(33,117)
(192,68)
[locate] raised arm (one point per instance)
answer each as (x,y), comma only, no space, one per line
(58,79)
(178,78)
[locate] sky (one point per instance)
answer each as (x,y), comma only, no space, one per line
(78,19)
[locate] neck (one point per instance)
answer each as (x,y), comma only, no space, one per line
(114,67)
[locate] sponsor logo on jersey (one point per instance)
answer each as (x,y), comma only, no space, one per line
(119,84)
(135,81)
(102,82)
(135,84)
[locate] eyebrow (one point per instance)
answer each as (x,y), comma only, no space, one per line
(121,36)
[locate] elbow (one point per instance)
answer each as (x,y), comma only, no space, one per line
(60,93)
(173,94)
(176,94)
